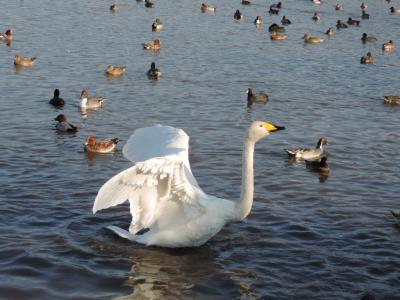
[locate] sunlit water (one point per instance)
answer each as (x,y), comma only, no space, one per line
(307,237)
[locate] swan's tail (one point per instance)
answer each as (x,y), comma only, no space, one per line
(126,234)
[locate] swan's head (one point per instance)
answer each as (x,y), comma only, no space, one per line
(259,130)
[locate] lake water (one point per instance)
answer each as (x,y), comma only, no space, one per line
(307,237)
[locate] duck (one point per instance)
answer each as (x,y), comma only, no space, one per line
(20,61)
(258,20)
(276,5)
(208,7)
(169,208)
(367,60)
(278,36)
(157,25)
(87,101)
(389,46)
(318,165)
(114,7)
(63,125)
(246,2)
(148,3)
(338,7)
(330,31)
(273,11)
(392,100)
(340,25)
(364,15)
(154,45)
(396,216)
(56,100)
(257,97)
(368,38)
(285,21)
(95,145)
(316,1)
(312,39)
(275,27)
(112,70)
(301,153)
(238,15)
(316,17)
(363,6)
(394,10)
(153,72)
(350,21)
(7,36)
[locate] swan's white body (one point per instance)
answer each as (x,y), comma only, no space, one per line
(164,196)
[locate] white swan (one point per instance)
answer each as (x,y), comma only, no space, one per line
(168,207)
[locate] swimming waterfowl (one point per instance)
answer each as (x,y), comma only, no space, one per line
(95,145)
(338,7)
(396,216)
(148,3)
(63,125)
(273,11)
(350,21)
(115,70)
(257,97)
(20,61)
(363,6)
(312,39)
(394,10)
(389,46)
(330,31)
(114,7)
(157,25)
(368,38)
(316,17)
(367,60)
(340,25)
(56,100)
(168,207)
(364,15)
(7,36)
(301,153)
(275,27)
(154,45)
(319,165)
(258,20)
(87,101)
(208,7)
(238,15)
(316,1)
(246,2)
(393,100)
(153,72)
(285,21)
(278,36)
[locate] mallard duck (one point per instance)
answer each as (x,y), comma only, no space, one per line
(115,70)
(87,101)
(340,25)
(393,100)
(330,31)
(312,39)
(316,17)
(308,153)
(367,60)
(208,7)
(19,61)
(368,38)
(278,36)
(100,145)
(153,72)
(257,97)
(238,15)
(148,3)
(285,21)
(364,15)
(394,10)
(63,125)
(56,100)
(154,45)
(319,165)
(157,25)
(7,36)
(275,27)
(114,7)
(389,46)
(258,20)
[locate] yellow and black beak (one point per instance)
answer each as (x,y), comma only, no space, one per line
(272,127)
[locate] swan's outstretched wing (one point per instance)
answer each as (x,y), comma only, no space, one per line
(160,176)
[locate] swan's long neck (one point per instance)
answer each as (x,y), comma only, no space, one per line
(246,197)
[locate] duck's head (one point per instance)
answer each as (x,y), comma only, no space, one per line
(90,140)
(153,66)
(8,32)
(321,142)
(61,118)
(369,54)
(56,93)
(305,36)
(249,92)
(84,93)
(110,68)
(17,57)
(260,129)
(364,35)
(157,42)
